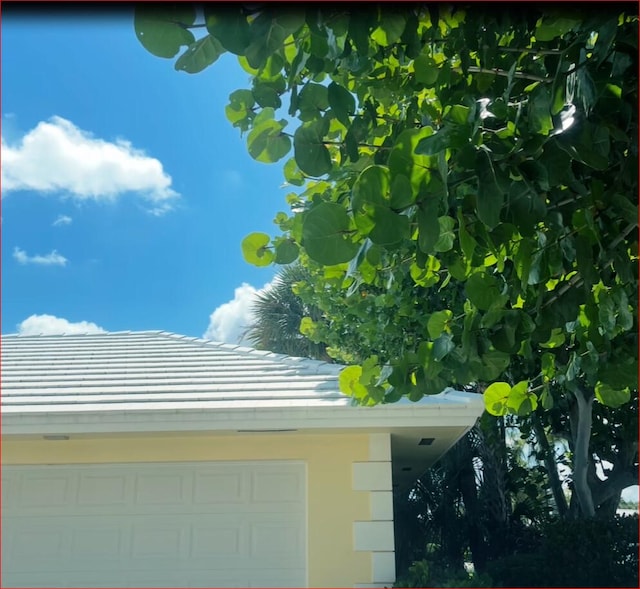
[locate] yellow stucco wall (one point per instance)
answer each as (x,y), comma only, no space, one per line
(333,505)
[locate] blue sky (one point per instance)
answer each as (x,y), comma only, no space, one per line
(125,191)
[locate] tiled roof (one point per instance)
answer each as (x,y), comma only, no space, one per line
(155,369)
(154,381)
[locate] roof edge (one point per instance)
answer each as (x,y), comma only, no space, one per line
(232,420)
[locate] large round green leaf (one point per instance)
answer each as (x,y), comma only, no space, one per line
(255,249)
(349,382)
(540,111)
(229,25)
(161,27)
(439,323)
(426,70)
(495,398)
(199,55)
(435,144)
(312,156)
(402,194)
(404,160)
(446,236)
(520,400)
(286,251)
(389,228)
(553,26)
(266,141)
(390,29)
(312,101)
(494,364)
(292,173)
(268,32)
(370,200)
(266,95)
(482,290)
(371,188)
(342,102)
(611,397)
(325,235)
(428,225)
(443,346)
(427,276)
(239,110)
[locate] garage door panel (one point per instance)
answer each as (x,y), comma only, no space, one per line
(279,541)
(45,490)
(70,491)
(226,541)
(105,490)
(144,541)
(34,542)
(270,487)
(104,543)
(189,525)
(155,541)
(162,489)
(48,543)
(221,488)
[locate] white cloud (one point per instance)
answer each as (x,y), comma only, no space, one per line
(57,156)
(62,220)
(51,259)
(229,322)
(51,325)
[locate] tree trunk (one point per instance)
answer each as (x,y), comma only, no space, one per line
(467,482)
(493,492)
(582,433)
(552,469)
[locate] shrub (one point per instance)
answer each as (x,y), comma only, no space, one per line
(575,553)
(427,573)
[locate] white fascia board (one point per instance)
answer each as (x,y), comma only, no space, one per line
(269,419)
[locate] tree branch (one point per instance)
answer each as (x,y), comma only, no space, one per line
(534,51)
(498,72)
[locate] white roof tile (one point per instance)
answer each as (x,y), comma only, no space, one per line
(131,369)
(160,381)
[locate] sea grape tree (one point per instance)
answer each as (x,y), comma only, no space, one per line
(482,159)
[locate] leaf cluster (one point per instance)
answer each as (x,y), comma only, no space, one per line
(441,151)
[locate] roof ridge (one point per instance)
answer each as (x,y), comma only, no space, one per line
(297,361)
(301,364)
(85,333)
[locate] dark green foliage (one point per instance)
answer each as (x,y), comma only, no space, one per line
(428,572)
(575,553)
(496,150)
(572,553)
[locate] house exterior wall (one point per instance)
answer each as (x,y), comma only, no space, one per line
(350,520)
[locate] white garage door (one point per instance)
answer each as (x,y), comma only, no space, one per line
(220,524)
